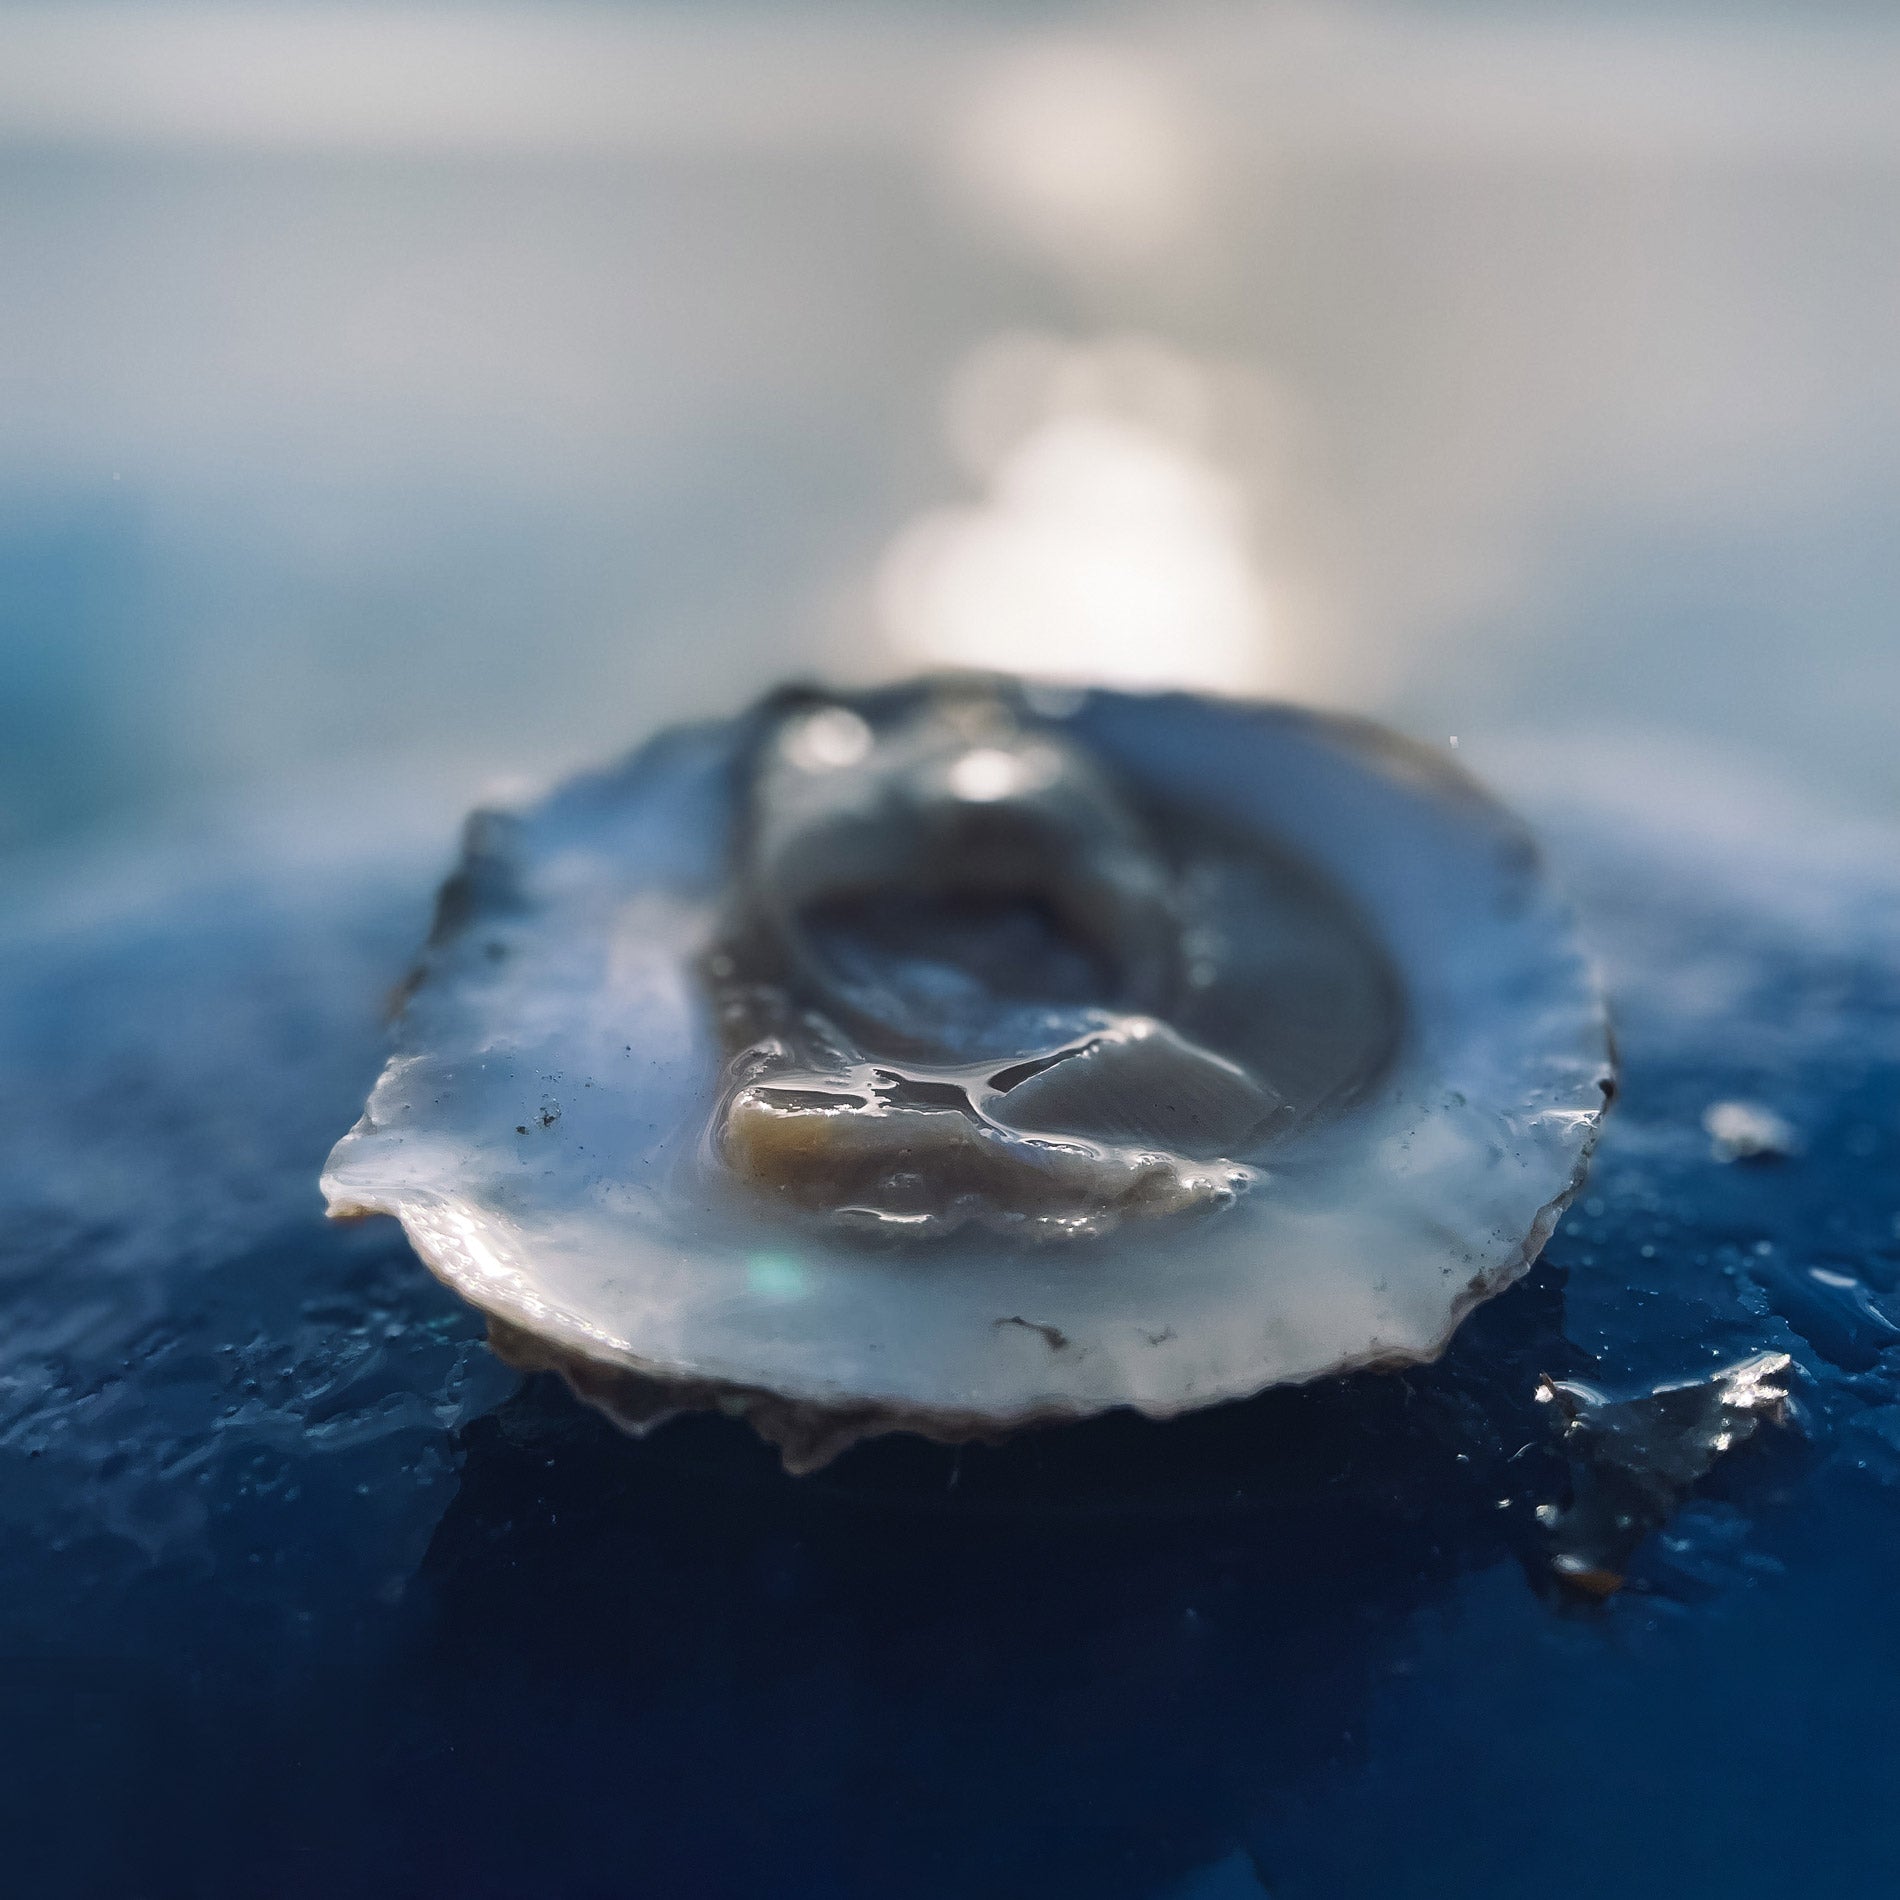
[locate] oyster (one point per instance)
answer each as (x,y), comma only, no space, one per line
(964,1054)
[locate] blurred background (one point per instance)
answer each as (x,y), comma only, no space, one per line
(421,399)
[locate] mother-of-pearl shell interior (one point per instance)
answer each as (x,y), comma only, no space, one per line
(1404,1051)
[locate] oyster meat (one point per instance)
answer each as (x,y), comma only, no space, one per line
(963,1054)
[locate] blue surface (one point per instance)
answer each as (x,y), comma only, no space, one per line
(302,1594)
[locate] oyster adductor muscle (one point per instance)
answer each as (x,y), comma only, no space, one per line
(961,1054)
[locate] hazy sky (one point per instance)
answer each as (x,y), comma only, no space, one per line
(472,389)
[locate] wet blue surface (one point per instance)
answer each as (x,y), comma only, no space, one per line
(302,1594)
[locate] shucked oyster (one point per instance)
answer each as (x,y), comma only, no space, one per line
(959,1055)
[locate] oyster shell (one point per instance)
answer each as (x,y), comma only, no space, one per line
(960,1055)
